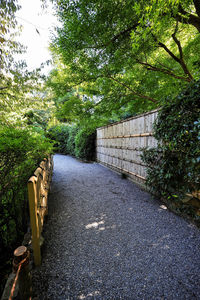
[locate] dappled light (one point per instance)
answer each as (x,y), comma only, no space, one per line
(92,294)
(108,248)
(163,207)
(94,225)
(100,226)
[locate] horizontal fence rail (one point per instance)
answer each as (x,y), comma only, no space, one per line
(38,189)
(119,144)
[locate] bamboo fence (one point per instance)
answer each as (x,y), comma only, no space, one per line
(38,189)
(119,145)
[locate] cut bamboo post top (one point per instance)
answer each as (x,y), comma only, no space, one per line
(20,252)
(32,179)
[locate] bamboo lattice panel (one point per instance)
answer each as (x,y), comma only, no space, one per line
(119,145)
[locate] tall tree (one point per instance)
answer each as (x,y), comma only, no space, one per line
(19,88)
(130,53)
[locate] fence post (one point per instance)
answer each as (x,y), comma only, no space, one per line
(21,257)
(32,196)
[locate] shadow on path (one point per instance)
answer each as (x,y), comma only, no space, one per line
(107,239)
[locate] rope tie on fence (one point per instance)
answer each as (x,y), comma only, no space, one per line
(19,254)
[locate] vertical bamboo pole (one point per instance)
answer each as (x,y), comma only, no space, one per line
(32,195)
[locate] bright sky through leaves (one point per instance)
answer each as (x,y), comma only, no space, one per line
(37,25)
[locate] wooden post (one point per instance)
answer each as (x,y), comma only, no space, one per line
(21,256)
(32,195)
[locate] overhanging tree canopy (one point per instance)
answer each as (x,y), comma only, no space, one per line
(129,54)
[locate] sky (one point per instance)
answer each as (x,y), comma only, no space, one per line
(33,18)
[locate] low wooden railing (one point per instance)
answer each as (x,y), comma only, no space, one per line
(38,189)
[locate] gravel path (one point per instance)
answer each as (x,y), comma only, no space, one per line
(107,239)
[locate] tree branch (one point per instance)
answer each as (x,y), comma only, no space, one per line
(165,71)
(188,18)
(166,67)
(180,60)
(177,41)
(169,51)
(7,94)
(123,32)
(133,92)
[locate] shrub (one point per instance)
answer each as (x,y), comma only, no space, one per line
(60,135)
(20,152)
(71,140)
(79,142)
(64,138)
(174,166)
(85,144)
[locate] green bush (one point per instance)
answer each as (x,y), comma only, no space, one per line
(60,135)
(64,138)
(71,140)
(79,142)
(37,118)
(174,166)
(85,144)
(21,150)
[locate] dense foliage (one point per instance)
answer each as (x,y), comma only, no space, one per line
(85,144)
(21,150)
(24,114)
(20,88)
(114,58)
(60,135)
(174,166)
(73,140)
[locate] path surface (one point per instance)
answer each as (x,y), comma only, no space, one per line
(107,239)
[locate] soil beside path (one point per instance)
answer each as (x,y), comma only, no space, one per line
(107,239)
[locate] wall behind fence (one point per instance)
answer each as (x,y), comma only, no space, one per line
(119,144)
